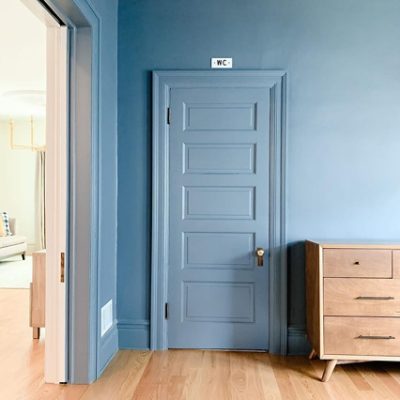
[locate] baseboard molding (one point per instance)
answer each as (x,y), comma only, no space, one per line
(108,348)
(297,340)
(134,334)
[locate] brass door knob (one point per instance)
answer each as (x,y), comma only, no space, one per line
(260,256)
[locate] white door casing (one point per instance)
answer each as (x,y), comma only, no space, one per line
(56,201)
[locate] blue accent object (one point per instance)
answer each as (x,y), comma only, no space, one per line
(204,248)
(5,220)
(216,294)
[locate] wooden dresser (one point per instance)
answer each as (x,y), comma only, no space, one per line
(353,303)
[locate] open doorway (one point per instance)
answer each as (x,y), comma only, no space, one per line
(33,191)
(22,142)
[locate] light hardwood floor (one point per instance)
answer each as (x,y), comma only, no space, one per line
(181,374)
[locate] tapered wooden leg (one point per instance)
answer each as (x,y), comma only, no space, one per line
(36,332)
(330,366)
(312,355)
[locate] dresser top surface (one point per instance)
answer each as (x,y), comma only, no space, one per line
(336,244)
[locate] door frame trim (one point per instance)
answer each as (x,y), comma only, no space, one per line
(163,81)
(83,253)
(57,138)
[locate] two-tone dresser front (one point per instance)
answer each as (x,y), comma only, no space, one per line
(353,302)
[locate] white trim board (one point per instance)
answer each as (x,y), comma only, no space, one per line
(56,202)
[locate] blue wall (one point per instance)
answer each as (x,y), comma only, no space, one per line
(93,285)
(107,11)
(343,64)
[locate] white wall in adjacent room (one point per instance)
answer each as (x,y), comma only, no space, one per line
(18,179)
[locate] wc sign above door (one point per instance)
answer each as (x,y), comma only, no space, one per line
(220,62)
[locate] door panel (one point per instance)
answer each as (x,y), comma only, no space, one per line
(218,215)
(219,250)
(219,158)
(235,301)
(219,202)
(219,116)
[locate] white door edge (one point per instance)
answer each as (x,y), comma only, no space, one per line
(56,202)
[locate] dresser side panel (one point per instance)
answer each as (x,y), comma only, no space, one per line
(313,295)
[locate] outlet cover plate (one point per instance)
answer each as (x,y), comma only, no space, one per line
(106,317)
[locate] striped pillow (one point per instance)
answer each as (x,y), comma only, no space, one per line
(5,222)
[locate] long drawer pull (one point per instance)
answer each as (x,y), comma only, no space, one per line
(374,298)
(375,337)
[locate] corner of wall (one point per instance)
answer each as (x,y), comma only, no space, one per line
(134,334)
(297,340)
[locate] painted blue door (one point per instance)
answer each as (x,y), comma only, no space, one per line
(218,216)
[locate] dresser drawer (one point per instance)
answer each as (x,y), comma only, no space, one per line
(357,263)
(362,336)
(362,297)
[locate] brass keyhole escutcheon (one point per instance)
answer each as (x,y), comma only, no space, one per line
(260,256)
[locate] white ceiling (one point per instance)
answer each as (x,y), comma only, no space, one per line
(22,61)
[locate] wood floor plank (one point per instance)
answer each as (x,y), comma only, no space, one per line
(373,374)
(153,384)
(281,373)
(181,374)
(267,377)
(359,381)
(345,385)
(120,378)
(334,388)
(244,380)
(303,378)
(389,380)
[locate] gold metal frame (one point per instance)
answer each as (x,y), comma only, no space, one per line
(32,146)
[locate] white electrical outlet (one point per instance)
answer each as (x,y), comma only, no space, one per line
(106,317)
